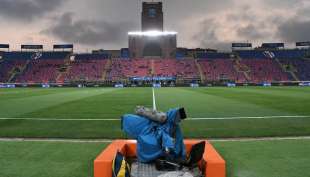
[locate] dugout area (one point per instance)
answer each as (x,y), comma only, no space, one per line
(212,164)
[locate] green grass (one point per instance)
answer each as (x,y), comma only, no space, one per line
(107,103)
(236,102)
(285,158)
(49,159)
(68,104)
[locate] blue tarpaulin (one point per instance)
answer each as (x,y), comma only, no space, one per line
(154,139)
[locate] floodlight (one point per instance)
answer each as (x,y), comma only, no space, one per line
(152,33)
(72,58)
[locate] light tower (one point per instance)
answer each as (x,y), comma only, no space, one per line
(152,16)
(152,41)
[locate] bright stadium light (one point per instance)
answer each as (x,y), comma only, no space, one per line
(152,33)
(72,58)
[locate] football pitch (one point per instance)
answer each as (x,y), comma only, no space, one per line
(94,113)
(213,112)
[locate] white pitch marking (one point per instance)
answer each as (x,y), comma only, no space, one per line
(235,118)
(55,119)
(55,140)
(63,140)
(189,119)
(260,139)
(154,100)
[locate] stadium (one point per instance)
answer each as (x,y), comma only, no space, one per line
(61,108)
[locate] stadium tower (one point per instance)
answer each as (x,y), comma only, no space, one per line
(152,16)
(152,41)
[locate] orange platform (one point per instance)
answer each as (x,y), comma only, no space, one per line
(215,165)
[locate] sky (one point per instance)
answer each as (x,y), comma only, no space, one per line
(104,24)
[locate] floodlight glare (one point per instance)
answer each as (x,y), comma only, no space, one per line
(72,58)
(152,33)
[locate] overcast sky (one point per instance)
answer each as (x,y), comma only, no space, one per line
(93,24)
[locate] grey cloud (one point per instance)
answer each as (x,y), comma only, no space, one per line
(177,10)
(293,31)
(304,13)
(250,32)
(243,14)
(254,25)
(23,10)
(87,32)
(199,5)
(207,37)
(283,3)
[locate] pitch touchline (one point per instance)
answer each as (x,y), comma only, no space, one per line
(55,119)
(234,118)
(110,140)
(189,119)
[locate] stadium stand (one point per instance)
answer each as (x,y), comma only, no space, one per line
(175,68)
(85,69)
(165,68)
(126,68)
(248,66)
(253,54)
(187,69)
(283,53)
(221,69)
(300,67)
(264,70)
(290,54)
(8,68)
(39,67)
(88,56)
(40,71)
(213,55)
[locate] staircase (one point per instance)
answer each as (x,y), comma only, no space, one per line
(244,69)
(61,74)
(292,71)
(294,76)
(106,69)
(152,67)
(246,74)
(12,74)
(67,67)
(202,76)
(22,69)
